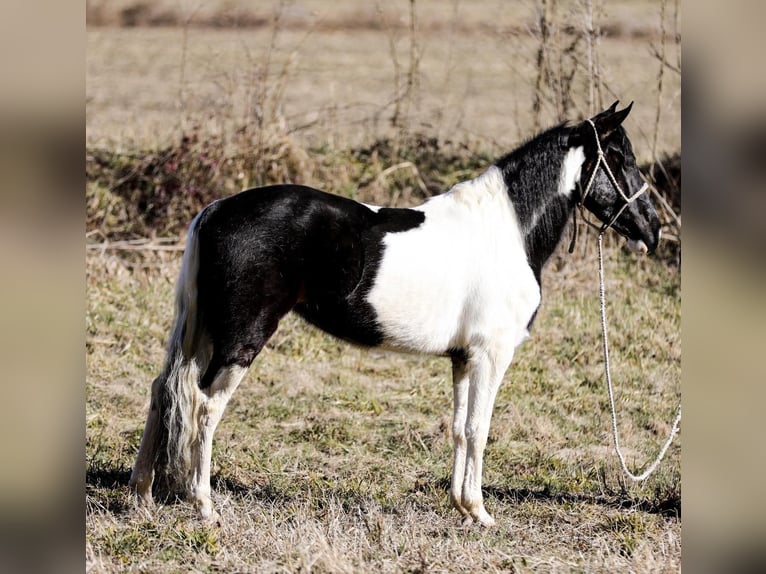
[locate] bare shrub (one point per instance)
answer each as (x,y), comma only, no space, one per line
(158,192)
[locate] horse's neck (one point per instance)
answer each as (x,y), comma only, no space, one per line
(541,240)
(540,189)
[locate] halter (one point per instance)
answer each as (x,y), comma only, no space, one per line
(601,161)
(602,300)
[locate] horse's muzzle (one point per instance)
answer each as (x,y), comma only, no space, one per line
(637,246)
(648,244)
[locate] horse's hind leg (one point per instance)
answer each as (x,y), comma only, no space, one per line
(143,470)
(217,395)
(230,361)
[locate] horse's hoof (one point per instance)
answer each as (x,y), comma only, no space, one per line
(141,485)
(483,518)
(466,521)
(207,515)
(212,519)
(143,497)
(143,504)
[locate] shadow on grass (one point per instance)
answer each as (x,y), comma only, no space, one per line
(110,488)
(668,506)
(117,479)
(234,486)
(107,477)
(319,496)
(113,485)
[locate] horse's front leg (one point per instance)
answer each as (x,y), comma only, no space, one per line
(486,368)
(460,411)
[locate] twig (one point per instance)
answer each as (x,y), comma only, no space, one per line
(182,108)
(656,53)
(166,244)
(589,35)
(666,206)
(676,34)
(660,78)
(391,37)
(403,165)
(541,64)
(413,78)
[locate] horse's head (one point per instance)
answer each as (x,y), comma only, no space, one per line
(611,184)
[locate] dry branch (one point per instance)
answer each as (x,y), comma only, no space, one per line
(403,165)
(145,244)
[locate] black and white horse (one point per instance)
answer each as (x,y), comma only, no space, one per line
(458,276)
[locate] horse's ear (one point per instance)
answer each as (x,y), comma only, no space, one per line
(610,119)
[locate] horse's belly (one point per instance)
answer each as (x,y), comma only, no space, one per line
(419,319)
(432,306)
(418,297)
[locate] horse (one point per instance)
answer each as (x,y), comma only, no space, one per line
(458,276)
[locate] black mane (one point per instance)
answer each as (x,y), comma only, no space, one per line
(531,174)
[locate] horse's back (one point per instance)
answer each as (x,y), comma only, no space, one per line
(284,210)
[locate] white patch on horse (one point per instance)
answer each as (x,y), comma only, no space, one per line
(571,169)
(374,208)
(213,403)
(431,293)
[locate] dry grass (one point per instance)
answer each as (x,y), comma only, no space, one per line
(339,89)
(157,193)
(334,459)
(330,458)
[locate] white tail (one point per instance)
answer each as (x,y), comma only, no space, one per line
(179,393)
(172,425)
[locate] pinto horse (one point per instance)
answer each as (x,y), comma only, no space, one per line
(458,276)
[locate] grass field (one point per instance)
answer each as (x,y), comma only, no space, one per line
(331,458)
(334,459)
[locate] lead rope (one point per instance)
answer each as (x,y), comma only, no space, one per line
(601,161)
(652,467)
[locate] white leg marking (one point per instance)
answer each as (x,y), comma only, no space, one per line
(210,413)
(460,393)
(486,370)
